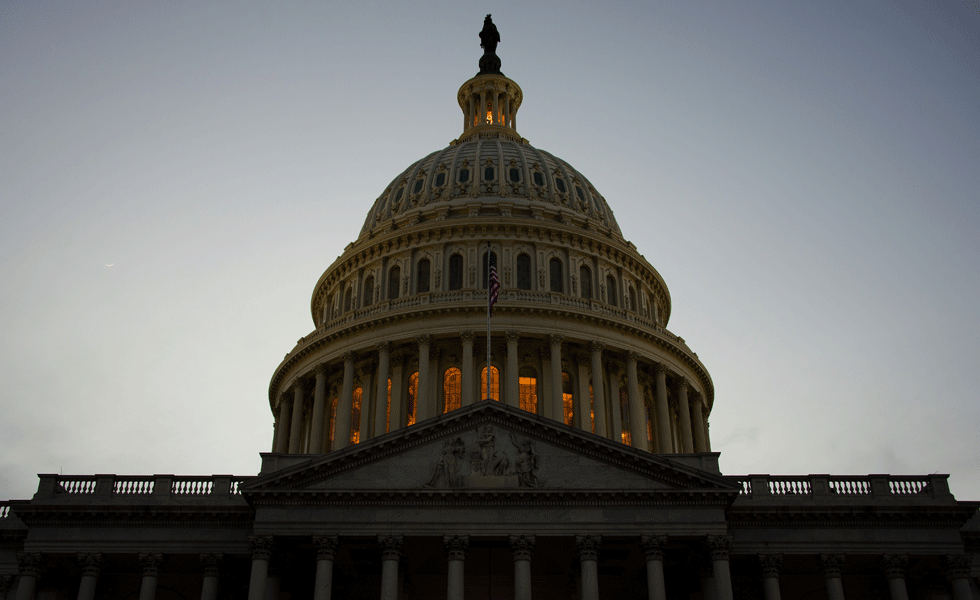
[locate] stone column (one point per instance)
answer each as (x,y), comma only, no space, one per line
(684,411)
(588,556)
(422,400)
(456,546)
(319,410)
(616,413)
(894,566)
(832,565)
(282,429)
(367,391)
(5,581)
(91,565)
(638,422)
(958,573)
(296,422)
(653,549)
(720,547)
(381,407)
(698,421)
(211,564)
(513,394)
(341,432)
(391,550)
(469,383)
(150,566)
(584,403)
(29,570)
(598,398)
(397,392)
(771,565)
(261,553)
(522,547)
(663,415)
(326,551)
(557,405)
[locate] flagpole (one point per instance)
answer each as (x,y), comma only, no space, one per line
(488,320)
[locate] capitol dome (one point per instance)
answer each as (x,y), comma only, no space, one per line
(578,333)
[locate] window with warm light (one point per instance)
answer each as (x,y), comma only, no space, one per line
(567,401)
(624,414)
(452,389)
(527,381)
(494,383)
(592,407)
(411,405)
(355,427)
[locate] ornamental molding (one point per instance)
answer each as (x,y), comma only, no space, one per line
(522,546)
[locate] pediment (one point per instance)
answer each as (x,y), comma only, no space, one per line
(492,447)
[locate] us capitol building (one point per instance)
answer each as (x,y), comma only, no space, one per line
(587,474)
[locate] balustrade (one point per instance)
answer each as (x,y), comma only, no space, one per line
(841,485)
(142,485)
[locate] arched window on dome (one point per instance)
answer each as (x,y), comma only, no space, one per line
(422,276)
(494,383)
(523,272)
(624,415)
(527,380)
(411,403)
(585,281)
(486,275)
(394,280)
(611,296)
(633,305)
(367,294)
(452,389)
(567,401)
(355,416)
(349,299)
(557,276)
(456,272)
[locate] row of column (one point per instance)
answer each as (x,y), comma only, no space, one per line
(31,563)
(691,417)
(477,113)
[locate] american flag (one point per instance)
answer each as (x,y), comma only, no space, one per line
(494,286)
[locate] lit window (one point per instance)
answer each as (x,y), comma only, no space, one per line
(452,388)
(624,415)
(494,383)
(355,429)
(566,397)
(592,407)
(413,393)
(528,382)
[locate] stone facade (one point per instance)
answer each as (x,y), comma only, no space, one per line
(577,465)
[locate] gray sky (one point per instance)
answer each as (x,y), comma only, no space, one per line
(803,175)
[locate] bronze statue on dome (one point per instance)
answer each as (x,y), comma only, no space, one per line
(489,37)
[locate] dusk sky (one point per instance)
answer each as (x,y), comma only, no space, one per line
(804,175)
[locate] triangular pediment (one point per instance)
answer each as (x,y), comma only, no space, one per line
(488,446)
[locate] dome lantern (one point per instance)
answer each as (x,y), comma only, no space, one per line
(490,100)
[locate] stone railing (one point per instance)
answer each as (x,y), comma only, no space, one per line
(132,486)
(4,510)
(778,488)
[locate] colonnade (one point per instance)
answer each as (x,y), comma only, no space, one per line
(716,581)
(617,393)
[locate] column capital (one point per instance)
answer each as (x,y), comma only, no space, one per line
(683,383)
(391,546)
(719,546)
(466,337)
(522,546)
(556,339)
(895,565)
(261,546)
(832,565)
(91,563)
(29,564)
(384,347)
(596,347)
(211,564)
(349,356)
(588,546)
(653,546)
(150,563)
(423,340)
(632,356)
(957,566)
(513,336)
(325,546)
(297,385)
(771,564)
(456,545)
(661,369)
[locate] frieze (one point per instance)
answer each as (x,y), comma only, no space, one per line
(480,464)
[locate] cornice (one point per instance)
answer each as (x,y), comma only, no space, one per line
(48,515)
(869,516)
